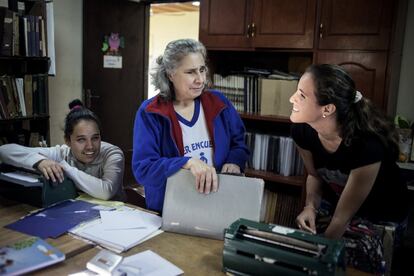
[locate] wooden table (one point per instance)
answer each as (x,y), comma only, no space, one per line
(194,255)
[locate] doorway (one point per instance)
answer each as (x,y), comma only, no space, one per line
(169,21)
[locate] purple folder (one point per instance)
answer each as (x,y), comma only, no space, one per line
(56,219)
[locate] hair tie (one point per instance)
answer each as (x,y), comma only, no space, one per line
(358,96)
(76,107)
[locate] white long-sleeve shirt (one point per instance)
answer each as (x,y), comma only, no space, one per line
(102,178)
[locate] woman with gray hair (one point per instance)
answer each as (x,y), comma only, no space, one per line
(185,126)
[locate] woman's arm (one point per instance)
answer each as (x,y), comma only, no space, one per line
(105,187)
(359,184)
(306,219)
(150,168)
(238,152)
(26,157)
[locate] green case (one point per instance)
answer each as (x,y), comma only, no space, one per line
(52,193)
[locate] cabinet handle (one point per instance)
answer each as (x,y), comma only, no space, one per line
(321,30)
(248,31)
(253,29)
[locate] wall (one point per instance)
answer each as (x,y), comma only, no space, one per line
(66,85)
(166,27)
(405,103)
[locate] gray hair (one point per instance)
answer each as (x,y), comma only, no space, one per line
(174,53)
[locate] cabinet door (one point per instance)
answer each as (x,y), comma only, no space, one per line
(224,24)
(367,69)
(355,24)
(284,23)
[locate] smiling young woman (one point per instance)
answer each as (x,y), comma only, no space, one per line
(349,149)
(96,167)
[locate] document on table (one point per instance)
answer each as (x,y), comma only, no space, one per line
(146,263)
(120,229)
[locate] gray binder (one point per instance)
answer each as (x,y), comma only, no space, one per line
(188,212)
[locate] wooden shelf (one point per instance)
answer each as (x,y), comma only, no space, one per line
(18,119)
(273,177)
(21,65)
(266,118)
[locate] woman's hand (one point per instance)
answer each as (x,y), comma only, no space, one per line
(206,176)
(230,168)
(51,170)
(306,219)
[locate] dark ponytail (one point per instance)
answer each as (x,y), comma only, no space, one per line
(355,114)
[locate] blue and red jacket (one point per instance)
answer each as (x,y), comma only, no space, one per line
(158,150)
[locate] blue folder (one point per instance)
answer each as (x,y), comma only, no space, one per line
(56,219)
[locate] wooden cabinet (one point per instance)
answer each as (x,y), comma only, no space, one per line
(364,37)
(368,70)
(220,28)
(24,114)
(257,24)
(355,24)
(283,24)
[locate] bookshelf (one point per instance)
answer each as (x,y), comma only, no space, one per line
(271,35)
(296,180)
(283,192)
(24,66)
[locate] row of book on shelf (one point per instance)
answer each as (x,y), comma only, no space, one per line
(24,96)
(25,138)
(256,93)
(281,208)
(272,153)
(22,35)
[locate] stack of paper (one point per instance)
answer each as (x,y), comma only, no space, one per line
(22,178)
(146,263)
(120,229)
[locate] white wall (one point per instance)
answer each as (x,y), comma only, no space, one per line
(165,28)
(405,103)
(66,85)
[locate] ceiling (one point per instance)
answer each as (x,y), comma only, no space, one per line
(173,7)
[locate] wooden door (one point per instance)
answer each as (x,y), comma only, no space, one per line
(115,94)
(368,69)
(284,23)
(225,24)
(356,24)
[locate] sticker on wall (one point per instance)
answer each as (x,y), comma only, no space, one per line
(111,47)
